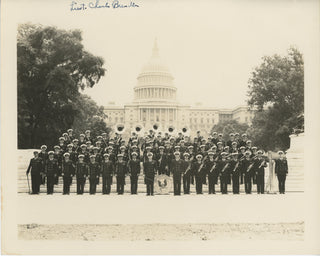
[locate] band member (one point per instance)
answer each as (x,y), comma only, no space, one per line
(67,173)
(66,138)
(99,145)
(241,157)
(93,174)
(84,152)
(237,138)
(177,170)
(112,155)
(88,136)
(123,153)
(97,155)
(107,171)
(73,155)
(235,171)
(259,165)
(214,138)
(81,173)
(44,156)
(62,144)
(247,165)
(234,147)
(58,157)
(51,171)
(150,169)
(281,170)
(145,154)
(243,141)
(220,139)
(134,172)
(203,152)
(219,147)
(183,147)
(212,172)
(223,169)
(187,165)
(162,160)
(36,168)
(120,171)
(231,139)
(104,143)
(70,134)
(82,139)
(199,173)
(76,148)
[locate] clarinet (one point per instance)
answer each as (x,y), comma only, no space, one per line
(188,169)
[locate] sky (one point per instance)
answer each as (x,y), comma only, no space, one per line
(210,47)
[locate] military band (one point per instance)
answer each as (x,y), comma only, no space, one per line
(189,162)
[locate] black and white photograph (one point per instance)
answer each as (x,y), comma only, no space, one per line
(160,127)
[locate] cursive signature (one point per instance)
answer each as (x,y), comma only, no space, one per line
(106,4)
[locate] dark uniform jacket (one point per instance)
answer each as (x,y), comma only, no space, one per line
(67,168)
(281,167)
(121,169)
(197,171)
(51,167)
(210,169)
(36,166)
(44,156)
(107,168)
(234,167)
(162,161)
(259,165)
(93,170)
(247,168)
(177,169)
(150,168)
(187,167)
(134,167)
(223,167)
(81,170)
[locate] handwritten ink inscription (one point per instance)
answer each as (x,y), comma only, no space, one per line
(97,4)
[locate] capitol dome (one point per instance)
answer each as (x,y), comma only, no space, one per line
(155,82)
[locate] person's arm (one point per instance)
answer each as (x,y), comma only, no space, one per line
(29,167)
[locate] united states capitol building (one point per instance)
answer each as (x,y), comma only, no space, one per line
(155,103)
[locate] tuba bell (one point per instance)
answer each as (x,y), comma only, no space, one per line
(120,128)
(185,131)
(138,129)
(156,128)
(171,129)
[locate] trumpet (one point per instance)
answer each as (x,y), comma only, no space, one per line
(119,128)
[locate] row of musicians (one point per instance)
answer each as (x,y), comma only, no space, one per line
(214,168)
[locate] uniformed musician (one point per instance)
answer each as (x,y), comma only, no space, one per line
(107,172)
(134,172)
(36,166)
(281,170)
(81,174)
(149,169)
(177,171)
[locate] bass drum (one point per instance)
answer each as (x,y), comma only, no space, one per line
(162,184)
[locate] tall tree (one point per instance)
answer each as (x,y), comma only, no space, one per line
(89,116)
(230,126)
(276,89)
(52,67)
